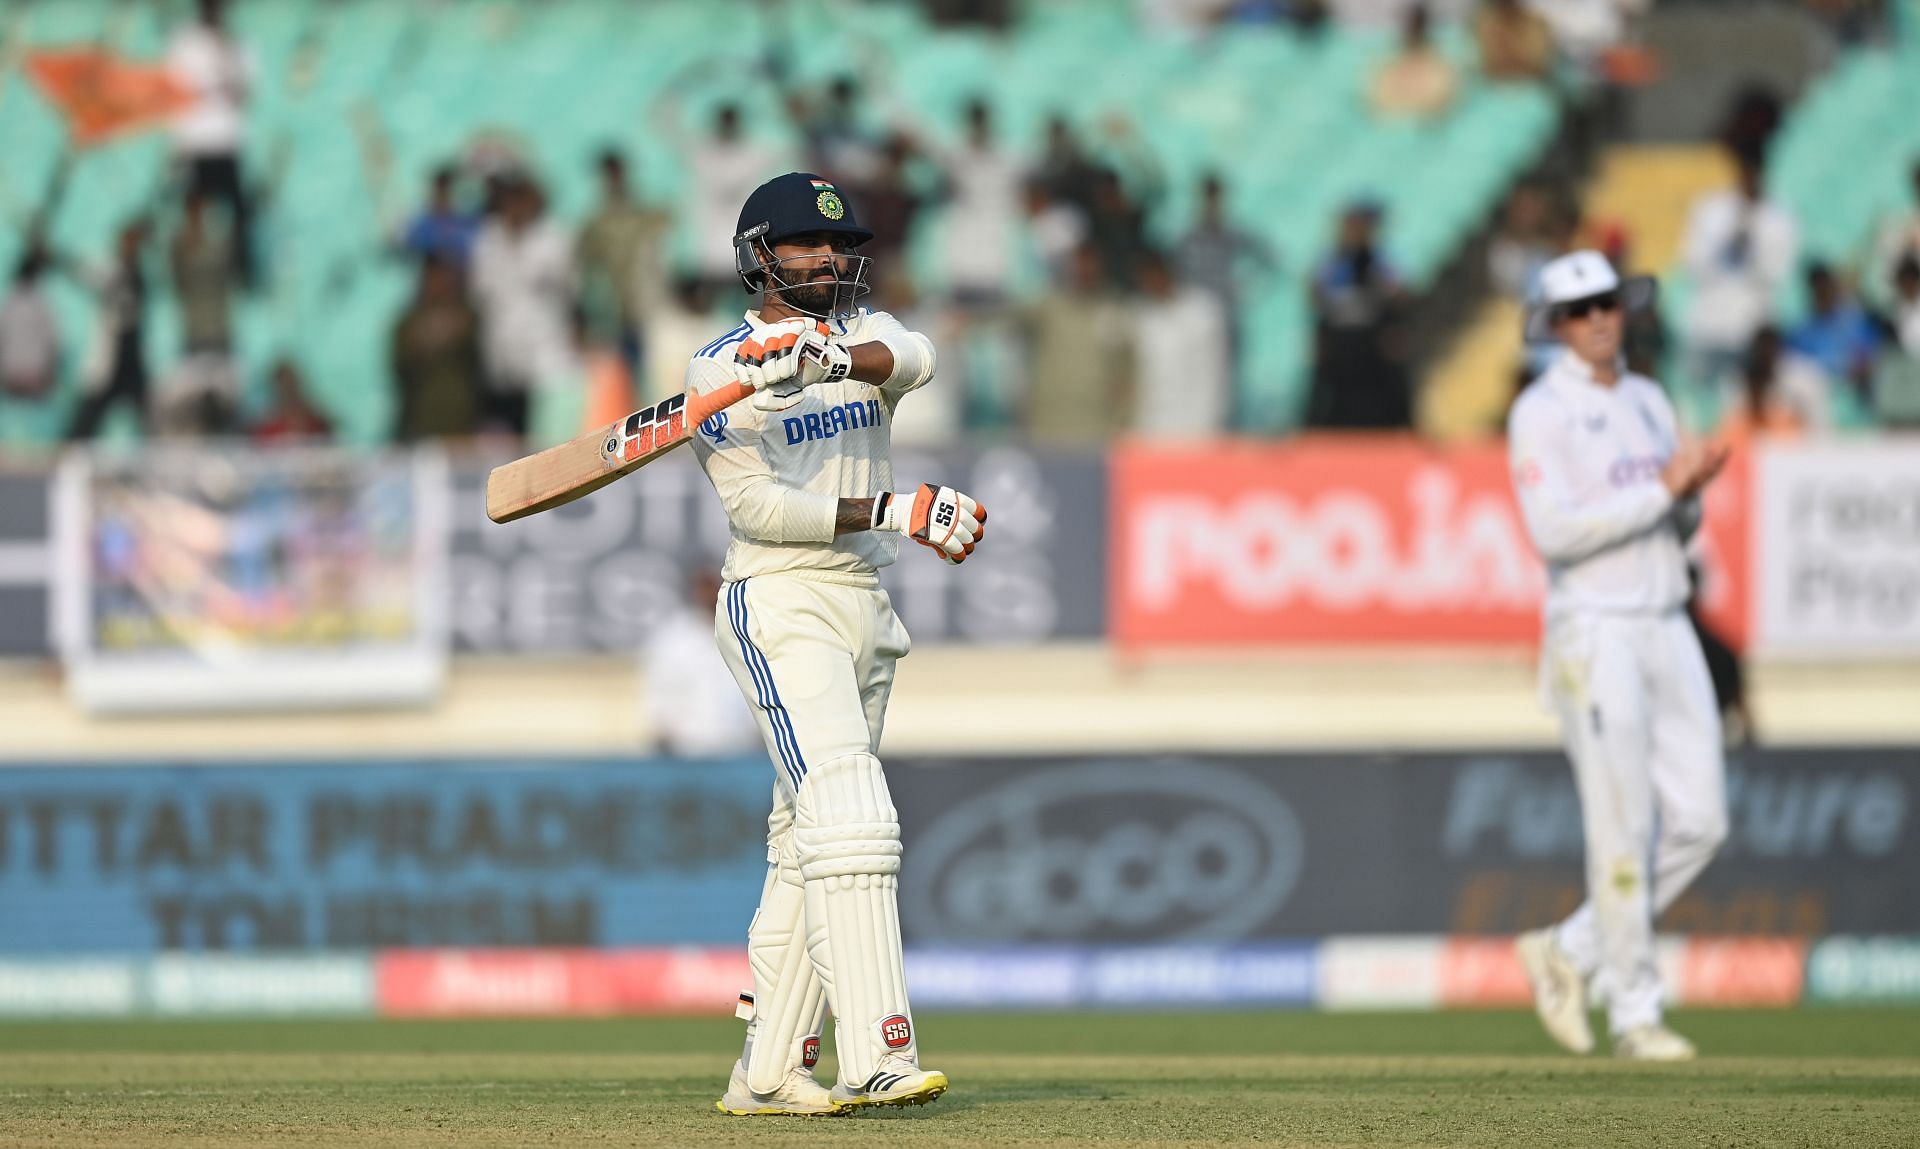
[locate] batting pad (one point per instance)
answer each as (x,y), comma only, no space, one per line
(789,999)
(848,839)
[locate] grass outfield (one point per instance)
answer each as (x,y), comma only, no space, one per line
(1807,1077)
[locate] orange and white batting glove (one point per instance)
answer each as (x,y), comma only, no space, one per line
(938,517)
(821,360)
(769,362)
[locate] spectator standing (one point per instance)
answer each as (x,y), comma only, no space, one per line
(1055,230)
(1516,43)
(674,335)
(1740,248)
(1214,256)
(1360,374)
(1776,393)
(620,264)
(1837,333)
(984,184)
(725,167)
(838,145)
(889,203)
(204,58)
(691,706)
(933,420)
(1896,384)
(1418,82)
(29,335)
(1898,236)
(117,371)
(1531,234)
(292,416)
(523,282)
(442,230)
(201,398)
(1183,384)
(1906,303)
(435,359)
(1065,167)
(1081,363)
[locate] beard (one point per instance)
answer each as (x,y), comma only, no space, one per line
(817,297)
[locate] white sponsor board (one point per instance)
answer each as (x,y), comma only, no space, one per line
(1837,549)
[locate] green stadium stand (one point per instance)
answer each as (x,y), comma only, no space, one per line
(1840,164)
(359,99)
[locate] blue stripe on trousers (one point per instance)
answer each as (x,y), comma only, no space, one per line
(785,742)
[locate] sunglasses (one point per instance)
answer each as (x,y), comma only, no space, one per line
(1581,308)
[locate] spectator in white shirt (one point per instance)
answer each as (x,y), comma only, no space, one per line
(690,704)
(985,182)
(29,337)
(1183,383)
(1740,248)
(208,134)
(523,283)
(725,167)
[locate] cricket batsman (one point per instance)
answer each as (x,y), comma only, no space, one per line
(804,471)
(1610,495)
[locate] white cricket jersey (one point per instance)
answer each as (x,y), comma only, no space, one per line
(1586,461)
(781,474)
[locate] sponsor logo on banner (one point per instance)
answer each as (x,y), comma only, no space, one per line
(371,855)
(1063,977)
(1380,972)
(1837,553)
(1346,540)
(1741,971)
(1118,850)
(469,983)
(1864,969)
(104,987)
(1482,972)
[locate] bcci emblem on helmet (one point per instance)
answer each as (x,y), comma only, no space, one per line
(830,205)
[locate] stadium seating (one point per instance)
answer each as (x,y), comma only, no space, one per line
(359,99)
(1840,165)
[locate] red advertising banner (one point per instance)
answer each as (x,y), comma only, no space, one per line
(1337,540)
(558,982)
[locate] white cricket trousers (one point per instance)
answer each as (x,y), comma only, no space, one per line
(1642,728)
(815,662)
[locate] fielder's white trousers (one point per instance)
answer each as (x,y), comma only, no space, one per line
(1642,729)
(815,662)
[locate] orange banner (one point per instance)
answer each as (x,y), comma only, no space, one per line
(1335,540)
(102,95)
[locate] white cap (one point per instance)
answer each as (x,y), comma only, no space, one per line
(1580,275)
(1577,275)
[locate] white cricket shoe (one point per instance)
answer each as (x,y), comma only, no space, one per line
(898,1081)
(1653,1043)
(798,1096)
(1559,992)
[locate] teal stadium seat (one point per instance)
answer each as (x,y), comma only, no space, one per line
(346,81)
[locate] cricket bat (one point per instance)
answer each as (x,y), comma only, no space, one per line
(582,465)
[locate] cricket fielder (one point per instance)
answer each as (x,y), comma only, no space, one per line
(1610,495)
(803,469)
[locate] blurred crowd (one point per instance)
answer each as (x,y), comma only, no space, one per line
(1062,316)
(1764,340)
